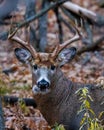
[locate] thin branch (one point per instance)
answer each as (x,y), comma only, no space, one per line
(90,47)
(89,38)
(70,14)
(51,6)
(80,11)
(4,35)
(67,24)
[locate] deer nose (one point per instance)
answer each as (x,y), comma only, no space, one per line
(43,84)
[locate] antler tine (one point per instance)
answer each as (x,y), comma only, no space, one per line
(60,47)
(26,45)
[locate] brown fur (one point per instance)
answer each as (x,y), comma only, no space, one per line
(43,59)
(61,104)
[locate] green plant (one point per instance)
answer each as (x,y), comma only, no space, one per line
(58,127)
(89,120)
(23,106)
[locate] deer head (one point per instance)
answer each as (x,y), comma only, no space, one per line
(44,65)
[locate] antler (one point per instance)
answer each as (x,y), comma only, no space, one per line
(26,45)
(60,47)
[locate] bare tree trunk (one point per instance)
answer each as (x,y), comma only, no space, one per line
(56,10)
(43,28)
(6,7)
(2,126)
(31,11)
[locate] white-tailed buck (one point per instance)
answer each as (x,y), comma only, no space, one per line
(53,92)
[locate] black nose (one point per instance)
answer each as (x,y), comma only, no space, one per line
(43,84)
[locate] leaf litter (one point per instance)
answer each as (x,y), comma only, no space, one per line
(16,79)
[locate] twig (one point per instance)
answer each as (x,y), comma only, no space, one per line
(42,12)
(70,14)
(89,38)
(4,35)
(91,46)
(80,11)
(67,24)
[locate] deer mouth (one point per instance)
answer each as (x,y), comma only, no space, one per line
(40,90)
(43,89)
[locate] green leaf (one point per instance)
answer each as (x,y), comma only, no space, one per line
(91,111)
(86,104)
(91,126)
(85,91)
(59,127)
(82,110)
(78,91)
(81,127)
(83,121)
(101,114)
(90,97)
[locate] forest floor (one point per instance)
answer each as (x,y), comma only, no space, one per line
(87,68)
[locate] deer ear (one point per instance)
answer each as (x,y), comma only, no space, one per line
(66,55)
(22,55)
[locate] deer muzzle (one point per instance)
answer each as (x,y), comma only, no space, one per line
(42,87)
(43,84)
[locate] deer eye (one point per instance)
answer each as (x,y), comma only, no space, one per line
(53,67)
(35,67)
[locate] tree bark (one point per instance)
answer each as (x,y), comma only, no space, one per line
(43,28)
(80,11)
(13,100)
(2,124)
(6,7)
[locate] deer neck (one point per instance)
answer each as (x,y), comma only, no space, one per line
(57,99)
